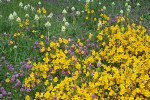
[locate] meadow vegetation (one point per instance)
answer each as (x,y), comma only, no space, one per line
(74,50)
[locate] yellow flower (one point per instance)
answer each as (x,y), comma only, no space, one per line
(95,75)
(46,82)
(95,19)
(86,17)
(37,94)
(92,11)
(11,42)
(47,95)
(42,36)
(7,80)
(90,35)
(39,10)
(21,24)
(87,74)
(44,10)
(27,97)
(55,79)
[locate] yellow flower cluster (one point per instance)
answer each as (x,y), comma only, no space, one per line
(120,69)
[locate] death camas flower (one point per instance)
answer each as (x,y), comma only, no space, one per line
(36,17)
(47,24)
(78,13)
(15,14)
(121,11)
(32,8)
(21,4)
(63,28)
(66,24)
(64,19)
(138,4)
(27,15)
(64,11)
(11,17)
(73,8)
(39,3)
(50,15)
(113,3)
(18,19)
(104,7)
(87,1)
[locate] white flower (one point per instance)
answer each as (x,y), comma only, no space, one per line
(64,19)
(73,8)
(138,4)
(126,4)
(21,4)
(36,17)
(32,8)
(128,10)
(66,24)
(44,16)
(99,63)
(99,24)
(15,14)
(78,13)
(99,3)
(27,15)
(50,15)
(121,11)
(0,1)
(82,11)
(25,7)
(18,19)
(87,1)
(15,47)
(127,0)
(11,17)
(28,5)
(104,8)
(8,0)
(39,3)
(63,28)
(64,11)
(47,24)
(113,3)
(129,6)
